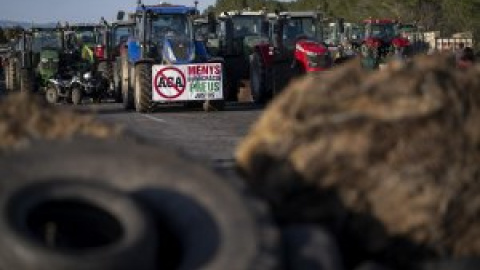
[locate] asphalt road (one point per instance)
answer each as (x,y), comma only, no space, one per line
(208,136)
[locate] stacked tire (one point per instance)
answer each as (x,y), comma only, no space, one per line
(199,220)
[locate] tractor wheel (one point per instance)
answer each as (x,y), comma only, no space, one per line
(106,70)
(12,75)
(143,87)
(127,94)
(26,81)
(257,79)
(51,94)
(202,221)
(56,219)
(117,85)
(7,77)
(77,96)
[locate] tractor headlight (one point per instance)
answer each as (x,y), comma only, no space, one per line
(44,60)
(87,76)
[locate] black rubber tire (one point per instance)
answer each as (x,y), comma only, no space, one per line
(143,88)
(12,73)
(51,94)
(73,225)
(203,221)
(26,81)
(105,68)
(257,79)
(6,75)
(77,96)
(127,93)
(117,82)
(309,247)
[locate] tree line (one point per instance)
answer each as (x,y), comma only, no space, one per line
(447,16)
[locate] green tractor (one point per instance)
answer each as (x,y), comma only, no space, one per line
(38,57)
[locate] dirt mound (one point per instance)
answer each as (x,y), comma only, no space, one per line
(24,118)
(389,161)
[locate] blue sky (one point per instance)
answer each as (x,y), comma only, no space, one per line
(42,11)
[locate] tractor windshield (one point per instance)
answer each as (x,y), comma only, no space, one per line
(170,25)
(121,34)
(299,27)
(248,25)
(46,39)
(88,37)
(382,31)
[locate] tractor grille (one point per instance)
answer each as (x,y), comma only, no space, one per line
(319,61)
(181,50)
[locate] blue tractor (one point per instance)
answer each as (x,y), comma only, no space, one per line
(163,63)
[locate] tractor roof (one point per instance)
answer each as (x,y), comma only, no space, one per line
(83,26)
(380,21)
(243,13)
(168,9)
(311,14)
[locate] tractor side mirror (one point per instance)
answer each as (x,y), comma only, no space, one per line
(212,23)
(120,15)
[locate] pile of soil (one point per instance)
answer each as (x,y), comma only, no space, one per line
(25,117)
(389,161)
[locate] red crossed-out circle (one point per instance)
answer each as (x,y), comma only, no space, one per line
(179,90)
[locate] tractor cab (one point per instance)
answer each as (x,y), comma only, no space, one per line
(381,35)
(240,31)
(300,35)
(164,33)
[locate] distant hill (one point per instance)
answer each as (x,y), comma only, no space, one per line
(10,24)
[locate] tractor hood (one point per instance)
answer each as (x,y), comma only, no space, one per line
(178,50)
(400,42)
(313,56)
(310,46)
(48,65)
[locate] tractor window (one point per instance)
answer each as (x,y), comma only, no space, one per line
(298,27)
(248,26)
(87,37)
(382,31)
(170,25)
(44,39)
(121,34)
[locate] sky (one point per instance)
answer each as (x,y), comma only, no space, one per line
(44,11)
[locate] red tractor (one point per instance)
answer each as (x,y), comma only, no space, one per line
(296,47)
(382,37)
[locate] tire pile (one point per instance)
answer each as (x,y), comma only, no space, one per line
(387,162)
(349,170)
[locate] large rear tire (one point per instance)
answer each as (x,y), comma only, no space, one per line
(127,93)
(12,75)
(143,88)
(258,79)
